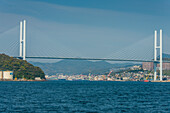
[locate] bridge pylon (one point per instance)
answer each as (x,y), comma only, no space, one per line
(22,50)
(156,47)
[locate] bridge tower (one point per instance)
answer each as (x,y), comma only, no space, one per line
(156,48)
(22,53)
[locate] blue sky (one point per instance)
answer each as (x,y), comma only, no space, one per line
(135,6)
(85,28)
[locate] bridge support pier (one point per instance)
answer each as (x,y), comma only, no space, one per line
(22,50)
(156,47)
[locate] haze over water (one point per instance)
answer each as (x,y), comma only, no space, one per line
(84,96)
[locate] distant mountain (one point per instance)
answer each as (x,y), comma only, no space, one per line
(165,57)
(78,67)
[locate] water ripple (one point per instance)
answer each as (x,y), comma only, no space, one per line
(84,96)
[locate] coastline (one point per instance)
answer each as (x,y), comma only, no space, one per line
(24,80)
(82,80)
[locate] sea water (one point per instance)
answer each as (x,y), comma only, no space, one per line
(84,96)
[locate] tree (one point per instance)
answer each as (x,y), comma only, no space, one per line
(21,68)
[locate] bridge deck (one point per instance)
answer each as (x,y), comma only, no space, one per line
(74,58)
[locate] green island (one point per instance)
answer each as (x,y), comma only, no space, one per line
(21,68)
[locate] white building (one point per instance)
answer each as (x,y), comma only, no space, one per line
(6,75)
(46,76)
(37,78)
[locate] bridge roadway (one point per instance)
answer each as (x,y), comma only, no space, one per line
(76,58)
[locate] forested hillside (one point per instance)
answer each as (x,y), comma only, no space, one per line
(21,68)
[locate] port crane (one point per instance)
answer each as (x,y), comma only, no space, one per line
(108,76)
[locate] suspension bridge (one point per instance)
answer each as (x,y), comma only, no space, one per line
(156,51)
(22,54)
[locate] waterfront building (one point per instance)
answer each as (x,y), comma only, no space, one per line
(125,78)
(62,77)
(37,78)
(149,66)
(46,76)
(6,75)
(165,66)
